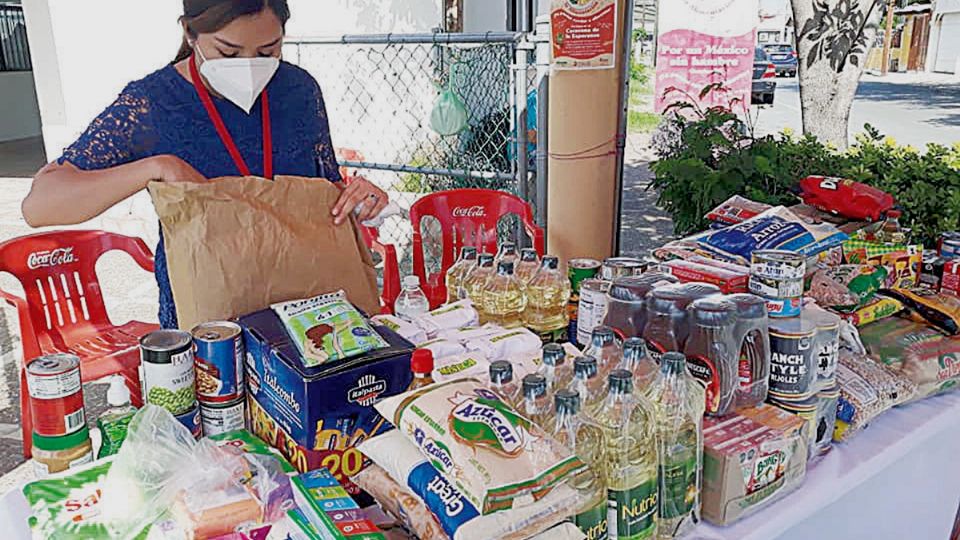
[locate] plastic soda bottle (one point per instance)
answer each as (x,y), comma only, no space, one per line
(548,293)
(456,273)
(528,264)
(503,298)
(411,303)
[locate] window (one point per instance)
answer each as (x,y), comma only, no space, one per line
(14,50)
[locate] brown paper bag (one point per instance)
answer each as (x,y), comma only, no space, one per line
(237,245)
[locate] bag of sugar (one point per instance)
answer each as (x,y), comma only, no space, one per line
(459,518)
(454,315)
(506,343)
(461,366)
(497,458)
(442,347)
(407,330)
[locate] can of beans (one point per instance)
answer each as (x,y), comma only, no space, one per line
(56,395)
(826,419)
(223,417)
(793,365)
(617,267)
(167,370)
(592,307)
(828,347)
(191,420)
(808,410)
(949,245)
(578,270)
(219,359)
(777,276)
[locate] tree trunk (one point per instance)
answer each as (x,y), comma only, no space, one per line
(833,38)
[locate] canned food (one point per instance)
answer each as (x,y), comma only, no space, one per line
(167,370)
(948,245)
(221,418)
(578,270)
(191,419)
(57,454)
(777,276)
(219,361)
(592,307)
(617,267)
(56,395)
(826,419)
(828,347)
(793,367)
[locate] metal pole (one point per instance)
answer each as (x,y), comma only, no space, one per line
(521,65)
(543,117)
(622,127)
(430,171)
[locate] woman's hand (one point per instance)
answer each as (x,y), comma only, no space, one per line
(359,191)
(170,168)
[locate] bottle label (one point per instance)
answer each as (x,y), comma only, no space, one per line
(632,513)
(678,486)
(655,350)
(593,522)
(705,370)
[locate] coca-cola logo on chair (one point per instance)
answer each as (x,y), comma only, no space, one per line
(469,211)
(50,257)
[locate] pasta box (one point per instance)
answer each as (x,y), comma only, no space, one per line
(316,416)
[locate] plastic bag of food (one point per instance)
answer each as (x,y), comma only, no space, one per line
(458,517)
(497,458)
(934,366)
(53,501)
(939,310)
(903,263)
(506,343)
(846,287)
(398,502)
(209,491)
(454,315)
(776,228)
(867,389)
(461,366)
(327,328)
(407,330)
(735,210)
(443,347)
(879,308)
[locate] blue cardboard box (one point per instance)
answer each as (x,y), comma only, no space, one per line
(316,416)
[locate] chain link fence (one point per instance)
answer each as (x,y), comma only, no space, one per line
(381,91)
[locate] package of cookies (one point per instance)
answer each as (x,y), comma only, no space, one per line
(327,328)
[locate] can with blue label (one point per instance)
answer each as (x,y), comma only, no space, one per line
(948,245)
(219,359)
(777,277)
(191,419)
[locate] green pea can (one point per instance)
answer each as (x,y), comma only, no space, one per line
(578,270)
(167,372)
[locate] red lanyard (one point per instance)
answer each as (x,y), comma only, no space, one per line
(222,128)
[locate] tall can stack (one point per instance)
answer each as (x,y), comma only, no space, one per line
(219,360)
(60,437)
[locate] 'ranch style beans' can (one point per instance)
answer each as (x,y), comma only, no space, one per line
(221,418)
(56,395)
(167,371)
(793,360)
(777,276)
(219,359)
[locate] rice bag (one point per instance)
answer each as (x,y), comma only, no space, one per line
(407,330)
(327,328)
(903,263)
(735,210)
(495,457)
(505,343)
(776,228)
(846,287)
(458,517)
(442,347)
(934,366)
(454,315)
(399,502)
(461,366)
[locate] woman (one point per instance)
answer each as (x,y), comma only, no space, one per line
(218,110)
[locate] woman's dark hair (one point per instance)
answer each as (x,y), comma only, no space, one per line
(206,16)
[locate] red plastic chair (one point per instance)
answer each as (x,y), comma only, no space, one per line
(371,236)
(63,310)
(468,217)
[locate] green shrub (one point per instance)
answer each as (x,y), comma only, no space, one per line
(712,156)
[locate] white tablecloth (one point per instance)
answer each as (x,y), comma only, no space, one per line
(898,480)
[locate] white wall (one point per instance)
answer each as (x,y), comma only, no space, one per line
(18,106)
(484,15)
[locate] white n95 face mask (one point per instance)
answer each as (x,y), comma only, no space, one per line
(239,80)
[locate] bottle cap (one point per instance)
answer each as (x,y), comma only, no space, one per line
(501,372)
(585,367)
(673,362)
(553,354)
(422,361)
(528,255)
(468,252)
(664,300)
(749,306)
(713,312)
(508,247)
(65,442)
(550,262)
(505,268)
(411,282)
(634,349)
(567,401)
(621,381)
(602,335)
(118,395)
(534,385)
(485,259)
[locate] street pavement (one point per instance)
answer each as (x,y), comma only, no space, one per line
(912,108)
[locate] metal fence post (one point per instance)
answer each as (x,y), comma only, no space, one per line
(522,168)
(627,48)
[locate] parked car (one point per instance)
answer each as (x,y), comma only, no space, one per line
(764,79)
(784,58)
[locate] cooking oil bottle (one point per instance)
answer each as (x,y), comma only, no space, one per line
(503,298)
(507,253)
(456,273)
(680,441)
(637,361)
(587,383)
(528,264)
(476,280)
(554,366)
(502,383)
(584,438)
(536,405)
(603,346)
(548,293)
(630,447)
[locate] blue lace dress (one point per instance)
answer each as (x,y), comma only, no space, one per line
(162,114)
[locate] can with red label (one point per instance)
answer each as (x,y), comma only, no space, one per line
(56,395)
(219,359)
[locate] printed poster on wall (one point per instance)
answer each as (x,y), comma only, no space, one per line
(703,42)
(583,34)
